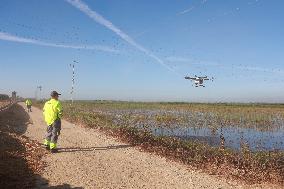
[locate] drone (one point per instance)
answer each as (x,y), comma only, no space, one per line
(199,81)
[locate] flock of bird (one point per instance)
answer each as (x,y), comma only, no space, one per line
(74,35)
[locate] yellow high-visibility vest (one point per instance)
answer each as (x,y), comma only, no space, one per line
(28,102)
(52,111)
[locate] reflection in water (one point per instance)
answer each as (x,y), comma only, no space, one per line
(256,140)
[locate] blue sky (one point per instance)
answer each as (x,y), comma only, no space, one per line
(142,49)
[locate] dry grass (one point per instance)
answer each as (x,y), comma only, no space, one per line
(4,103)
(20,156)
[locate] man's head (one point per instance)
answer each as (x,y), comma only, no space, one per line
(54,95)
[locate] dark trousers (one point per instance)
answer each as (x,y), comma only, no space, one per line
(52,133)
(29,107)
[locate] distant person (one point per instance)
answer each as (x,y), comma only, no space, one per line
(52,112)
(29,105)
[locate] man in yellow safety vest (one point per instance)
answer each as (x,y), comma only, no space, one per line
(52,112)
(29,105)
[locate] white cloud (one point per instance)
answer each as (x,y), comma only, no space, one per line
(83,7)
(243,67)
(9,37)
(178,59)
(194,61)
(259,69)
(186,11)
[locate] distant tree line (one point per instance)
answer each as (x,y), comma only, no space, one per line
(4,97)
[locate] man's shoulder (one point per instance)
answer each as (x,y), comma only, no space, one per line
(55,102)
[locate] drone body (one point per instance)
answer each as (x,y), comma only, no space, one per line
(198,81)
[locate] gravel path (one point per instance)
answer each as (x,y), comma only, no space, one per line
(90,159)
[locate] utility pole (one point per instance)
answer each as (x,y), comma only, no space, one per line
(36,95)
(72,66)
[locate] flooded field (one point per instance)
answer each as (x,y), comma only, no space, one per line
(256,127)
(233,137)
(199,127)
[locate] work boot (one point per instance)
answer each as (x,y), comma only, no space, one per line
(54,150)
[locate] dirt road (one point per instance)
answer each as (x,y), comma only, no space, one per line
(90,159)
